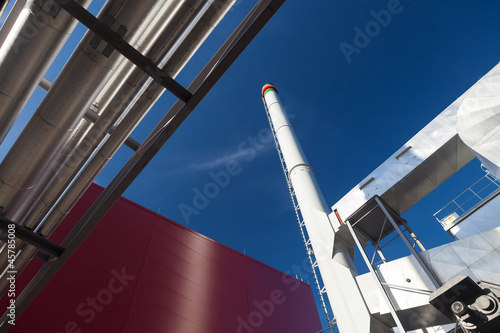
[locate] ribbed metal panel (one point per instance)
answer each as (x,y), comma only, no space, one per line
(180,281)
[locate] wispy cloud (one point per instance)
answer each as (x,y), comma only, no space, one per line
(223,160)
(246,151)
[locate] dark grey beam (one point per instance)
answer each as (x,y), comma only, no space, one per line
(127,50)
(30,237)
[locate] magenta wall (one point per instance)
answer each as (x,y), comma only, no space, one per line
(140,272)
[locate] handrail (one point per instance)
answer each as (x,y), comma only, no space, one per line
(476,196)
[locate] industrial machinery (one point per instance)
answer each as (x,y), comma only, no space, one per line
(422,292)
(475,307)
(131,54)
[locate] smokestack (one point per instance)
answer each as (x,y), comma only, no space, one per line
(331,253)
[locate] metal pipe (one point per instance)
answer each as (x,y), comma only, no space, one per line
(195,37)
(35,32)
(332,253)
(161,35)
(72,93)
(413,235)
(69,98)
(3,6)
(167,26)
(201,85)
(45,84)
(174,64)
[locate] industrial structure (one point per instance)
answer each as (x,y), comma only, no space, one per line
(130,55)
(431,290)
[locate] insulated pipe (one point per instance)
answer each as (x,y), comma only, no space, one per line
(331,252)
(174,64)
(78,84)
(161,34)
(188,46)
(159,38)
(31,46)
(24,204)
(3,6)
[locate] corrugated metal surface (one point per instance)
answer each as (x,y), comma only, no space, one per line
(140,272)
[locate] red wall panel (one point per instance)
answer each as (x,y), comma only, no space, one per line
(140,272)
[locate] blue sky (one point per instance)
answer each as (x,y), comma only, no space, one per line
(349,115)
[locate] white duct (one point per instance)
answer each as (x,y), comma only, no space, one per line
(478,120)
(71,95)
(33,42)
(331,252)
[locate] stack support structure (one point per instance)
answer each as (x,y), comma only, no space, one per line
(331,251)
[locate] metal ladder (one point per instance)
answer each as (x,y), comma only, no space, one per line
(300,220)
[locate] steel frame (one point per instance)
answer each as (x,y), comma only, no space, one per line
(415,254)
(380,286)
(378,249)
(261,13)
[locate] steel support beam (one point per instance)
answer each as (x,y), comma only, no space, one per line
(201,85)
(382,290)
(30,237)
(127,50)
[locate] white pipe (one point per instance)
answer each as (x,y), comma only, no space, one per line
(331,252)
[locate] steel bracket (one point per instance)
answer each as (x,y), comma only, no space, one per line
(30,237)
(101,46)
(116,41)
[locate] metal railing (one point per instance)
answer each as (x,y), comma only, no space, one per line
(468,199)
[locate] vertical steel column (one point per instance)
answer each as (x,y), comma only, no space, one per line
(382,290)
(422,264)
